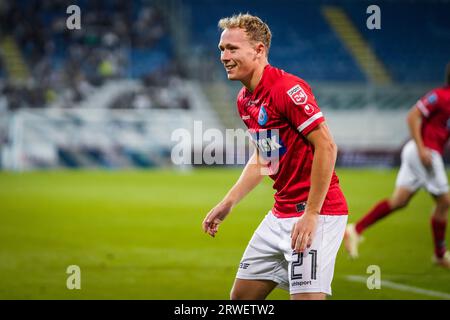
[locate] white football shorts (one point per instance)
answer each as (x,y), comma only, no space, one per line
(269,256)
(413,175)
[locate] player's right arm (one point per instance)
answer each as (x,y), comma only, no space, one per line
(250,177)
(414,119)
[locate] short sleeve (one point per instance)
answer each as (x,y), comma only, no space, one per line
(300,108)
(428,103)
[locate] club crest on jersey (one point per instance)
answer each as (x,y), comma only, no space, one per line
(297,95)
(262,117)
(309,109)
(432,98)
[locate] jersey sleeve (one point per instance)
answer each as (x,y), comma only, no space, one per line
(239,102)
(428,103)
(300,108)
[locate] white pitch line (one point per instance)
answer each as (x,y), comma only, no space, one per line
(402,287)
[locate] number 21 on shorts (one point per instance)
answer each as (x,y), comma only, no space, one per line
(297,262)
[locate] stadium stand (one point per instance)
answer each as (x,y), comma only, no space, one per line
(118,39)
(107,95)
(157,64)
(418,30)
(305,43)
(291,24)
(101,136)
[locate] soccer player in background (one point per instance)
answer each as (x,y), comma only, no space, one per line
(421,166)
(295,245)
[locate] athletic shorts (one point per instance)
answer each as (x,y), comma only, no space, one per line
(269,255)
(413,175)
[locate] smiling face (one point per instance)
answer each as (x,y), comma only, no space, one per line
(239,55)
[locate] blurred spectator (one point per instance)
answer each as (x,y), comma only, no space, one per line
(66,65)
(142,101)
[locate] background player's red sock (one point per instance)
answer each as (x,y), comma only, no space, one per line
(438,227)
(380,210)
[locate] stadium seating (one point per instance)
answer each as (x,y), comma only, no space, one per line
(96,136)
(129,55)
(304,43)
(414,40)
(117,39)
(301,39)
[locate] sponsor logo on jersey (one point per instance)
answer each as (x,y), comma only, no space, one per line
(262,117)
(269,144)
(245,117)
(309,109)
(297,95)
(252,102)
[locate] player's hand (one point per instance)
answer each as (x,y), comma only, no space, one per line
(303,231)
(425,157)
(215,217)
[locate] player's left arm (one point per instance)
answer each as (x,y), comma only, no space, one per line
(414,120)
(422,109)
(325,153)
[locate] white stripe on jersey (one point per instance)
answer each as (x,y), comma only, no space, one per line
(309,121)
(422,108)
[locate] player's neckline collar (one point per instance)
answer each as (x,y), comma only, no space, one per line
(252,93)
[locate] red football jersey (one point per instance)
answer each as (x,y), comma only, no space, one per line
(279,113)
(435,108)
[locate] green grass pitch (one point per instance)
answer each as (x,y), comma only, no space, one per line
(137,235)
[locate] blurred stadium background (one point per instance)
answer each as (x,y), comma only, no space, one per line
(86,118)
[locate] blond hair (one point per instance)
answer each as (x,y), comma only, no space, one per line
(255,28)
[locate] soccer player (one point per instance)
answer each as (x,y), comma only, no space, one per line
(295,245)
(422,166)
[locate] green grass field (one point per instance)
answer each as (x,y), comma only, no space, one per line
(137,235)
